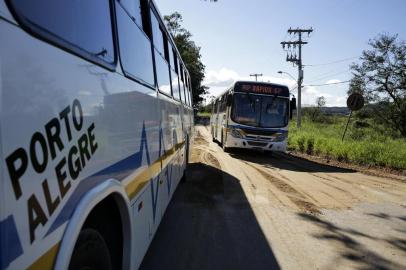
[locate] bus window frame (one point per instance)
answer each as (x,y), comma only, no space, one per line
(66,46)
(155,50)
(127,74)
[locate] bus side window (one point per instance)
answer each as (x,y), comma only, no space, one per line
(187,92)
(190,92)
(157,35)
(223,103)
(135,49)
(174,75)
(181,83)
(134,9)
(176,94)
(185,89)
(161,65)
(83,27)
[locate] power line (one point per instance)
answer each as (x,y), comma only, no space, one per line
(327,83)
(328,74)
(333,62)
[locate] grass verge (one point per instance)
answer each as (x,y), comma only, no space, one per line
(363,146)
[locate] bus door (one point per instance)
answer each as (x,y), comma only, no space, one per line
(217,119)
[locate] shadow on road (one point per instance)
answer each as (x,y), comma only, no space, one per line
(209,224)
(285,162)
(354,250)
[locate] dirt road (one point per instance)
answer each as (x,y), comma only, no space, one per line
(247,210)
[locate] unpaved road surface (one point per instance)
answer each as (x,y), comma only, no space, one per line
(248,210)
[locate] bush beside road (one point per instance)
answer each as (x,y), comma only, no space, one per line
(365,143)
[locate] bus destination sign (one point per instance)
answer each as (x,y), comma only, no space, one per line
(267,89)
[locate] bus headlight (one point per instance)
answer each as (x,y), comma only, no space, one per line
(279,137)
(236,133)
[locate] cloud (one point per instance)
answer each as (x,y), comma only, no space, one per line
(224,77)
(333,81)
(310,90)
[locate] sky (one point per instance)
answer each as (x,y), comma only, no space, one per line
(242,37)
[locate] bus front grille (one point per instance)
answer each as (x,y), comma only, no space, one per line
(260,144)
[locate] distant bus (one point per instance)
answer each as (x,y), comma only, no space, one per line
(252,115)
(95,126)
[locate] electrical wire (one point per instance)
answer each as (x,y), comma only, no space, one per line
(327,83)
(328,74)
(333,62)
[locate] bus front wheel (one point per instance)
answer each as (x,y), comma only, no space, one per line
(90,252)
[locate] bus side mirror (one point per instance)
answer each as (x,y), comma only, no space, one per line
(292,107)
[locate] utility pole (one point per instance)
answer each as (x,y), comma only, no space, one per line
(297,61)
(256,75)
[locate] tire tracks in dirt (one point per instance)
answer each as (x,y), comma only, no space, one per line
(300,200)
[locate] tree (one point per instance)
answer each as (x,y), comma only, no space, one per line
(381,79)
(315,111)
(190,54)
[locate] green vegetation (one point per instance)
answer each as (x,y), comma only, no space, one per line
(366,143)
(190,53)
(203,114)
(377,135)
(380,76)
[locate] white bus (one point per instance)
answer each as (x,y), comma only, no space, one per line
(95,128)
(252,115)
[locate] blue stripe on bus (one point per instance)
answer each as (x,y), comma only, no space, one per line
(154,195)
(10,243)
(118,171)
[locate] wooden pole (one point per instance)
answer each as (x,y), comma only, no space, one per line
(348,121)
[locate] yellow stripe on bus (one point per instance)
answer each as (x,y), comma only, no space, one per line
(47,260)
(136,184)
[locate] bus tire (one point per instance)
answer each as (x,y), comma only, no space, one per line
(183,179)
(90,252)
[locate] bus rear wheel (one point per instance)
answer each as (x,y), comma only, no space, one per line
(90,252)
(183,179)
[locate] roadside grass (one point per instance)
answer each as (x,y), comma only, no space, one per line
(371,145)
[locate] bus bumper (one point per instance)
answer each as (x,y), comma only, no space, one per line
(233,142)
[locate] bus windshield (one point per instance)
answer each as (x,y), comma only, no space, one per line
(260,110)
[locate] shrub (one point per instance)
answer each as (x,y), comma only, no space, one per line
(310,145)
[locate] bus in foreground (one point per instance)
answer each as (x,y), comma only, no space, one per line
(96,122)
(252,115)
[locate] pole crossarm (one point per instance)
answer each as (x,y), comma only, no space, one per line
(256,75)
(294,42)
(298,30)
